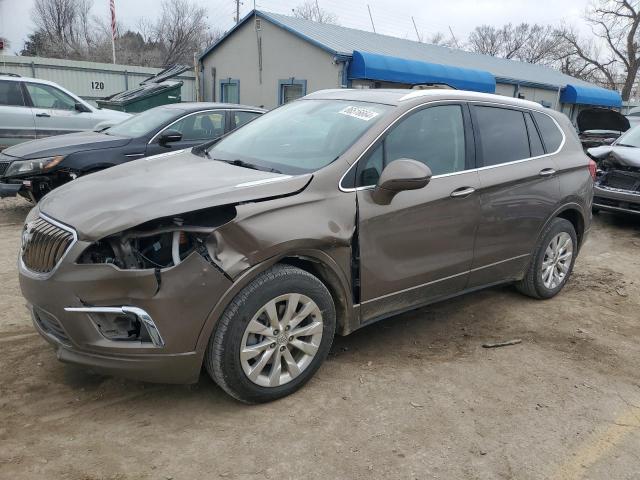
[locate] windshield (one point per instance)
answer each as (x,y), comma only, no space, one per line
(630,138)
(143,123)
(299,137)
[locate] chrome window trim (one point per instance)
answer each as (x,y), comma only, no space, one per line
(222,110)
(517,257)
(483,102)
(44,276)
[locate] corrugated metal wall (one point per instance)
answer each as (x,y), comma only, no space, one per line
(89,80)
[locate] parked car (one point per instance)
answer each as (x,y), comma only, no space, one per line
(600,126)
(617,187)
(320,217)
(634,116)
(31,108)
(33,169)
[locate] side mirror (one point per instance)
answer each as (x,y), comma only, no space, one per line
(81,107)
(169,136)
(399,175)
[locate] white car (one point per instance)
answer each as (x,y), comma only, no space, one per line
(31,108)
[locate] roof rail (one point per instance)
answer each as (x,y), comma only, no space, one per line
(7,74)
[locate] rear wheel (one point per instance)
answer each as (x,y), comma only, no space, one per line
(273,336)
(552,262)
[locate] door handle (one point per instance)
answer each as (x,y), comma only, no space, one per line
(547,172)
(462,192)
(43,114)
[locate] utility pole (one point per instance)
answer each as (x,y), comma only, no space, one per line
(371,18)
(237,11)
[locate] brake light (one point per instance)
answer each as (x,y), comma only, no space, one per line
(593,169)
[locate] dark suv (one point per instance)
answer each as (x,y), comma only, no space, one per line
(320,217)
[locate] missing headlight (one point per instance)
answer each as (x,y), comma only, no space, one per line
(159,244)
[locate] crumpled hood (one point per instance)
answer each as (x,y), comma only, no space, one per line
(623,156)
(128,195)
(65,145)
(601,119)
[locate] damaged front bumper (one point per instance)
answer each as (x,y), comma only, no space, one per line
(89,311)
(618,191)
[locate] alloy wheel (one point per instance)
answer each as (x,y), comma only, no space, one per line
(557,260)
(281,340)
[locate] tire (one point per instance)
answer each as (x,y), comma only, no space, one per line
(533,284)
(245,326)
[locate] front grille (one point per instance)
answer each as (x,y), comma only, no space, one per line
(44,244)
(3,167)
(50,325)
(622,181)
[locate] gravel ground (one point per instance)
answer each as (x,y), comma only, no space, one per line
(413,397)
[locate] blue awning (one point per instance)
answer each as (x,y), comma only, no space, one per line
(590,96)
(372,66)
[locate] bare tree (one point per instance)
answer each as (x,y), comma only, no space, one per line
(616,55)
(310,10)
(180,31)
(440,39)
(65,25)
(526,42)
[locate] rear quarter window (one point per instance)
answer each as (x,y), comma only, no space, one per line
(551,134)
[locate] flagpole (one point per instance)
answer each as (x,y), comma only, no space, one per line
(112,7)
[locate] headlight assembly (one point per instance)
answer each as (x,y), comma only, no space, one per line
(37,165)
(160,243)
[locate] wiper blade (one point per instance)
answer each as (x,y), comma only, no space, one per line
(624,145)
(252,166)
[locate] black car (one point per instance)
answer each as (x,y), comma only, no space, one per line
(34,168)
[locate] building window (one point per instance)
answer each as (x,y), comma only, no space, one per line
(230,90)
(291,89)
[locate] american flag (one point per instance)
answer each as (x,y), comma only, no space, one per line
(112,6)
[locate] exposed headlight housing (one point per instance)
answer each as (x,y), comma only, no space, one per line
(37,165)
(160,243)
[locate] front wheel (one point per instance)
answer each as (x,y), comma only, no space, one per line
(552,261)
(273,336)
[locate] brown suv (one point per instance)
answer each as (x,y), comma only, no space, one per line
(318,218)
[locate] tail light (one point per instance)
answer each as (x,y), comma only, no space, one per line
(593,169)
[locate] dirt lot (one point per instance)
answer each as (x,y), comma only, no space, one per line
(411,397)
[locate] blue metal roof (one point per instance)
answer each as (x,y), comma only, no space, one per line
(372,66)
(590,96)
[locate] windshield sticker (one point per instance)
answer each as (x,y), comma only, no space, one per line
(359,112)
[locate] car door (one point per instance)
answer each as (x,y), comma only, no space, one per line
(16,117)
(196,128)
(519,191)
(419,247)
(55,111)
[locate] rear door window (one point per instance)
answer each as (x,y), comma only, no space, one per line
(551,134)
(239,118)
(502,135)
(11,94)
